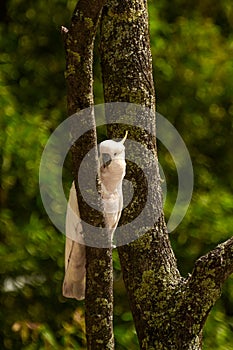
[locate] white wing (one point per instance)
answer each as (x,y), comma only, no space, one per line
(75,253)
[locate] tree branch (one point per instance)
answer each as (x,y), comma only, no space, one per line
(209,274)
(79,42)
(217,265)
(194,298)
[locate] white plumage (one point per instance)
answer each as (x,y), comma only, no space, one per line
(111,173)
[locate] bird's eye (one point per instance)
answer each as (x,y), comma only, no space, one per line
(115,154)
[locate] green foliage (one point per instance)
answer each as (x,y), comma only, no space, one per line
(192,55)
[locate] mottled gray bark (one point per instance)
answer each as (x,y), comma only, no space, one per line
(169,311)
(79,41)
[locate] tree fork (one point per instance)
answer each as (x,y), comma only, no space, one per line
(169,311)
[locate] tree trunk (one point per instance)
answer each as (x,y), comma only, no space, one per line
(79,42)
(169,311)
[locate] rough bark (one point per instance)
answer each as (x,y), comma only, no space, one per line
(169,311)
(79,41)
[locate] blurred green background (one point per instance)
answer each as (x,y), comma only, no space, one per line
(192,46)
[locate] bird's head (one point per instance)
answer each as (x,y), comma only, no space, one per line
(112,151)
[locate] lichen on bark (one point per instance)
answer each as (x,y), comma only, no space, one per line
(169,311)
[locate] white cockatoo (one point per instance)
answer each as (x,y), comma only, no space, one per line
(112,167)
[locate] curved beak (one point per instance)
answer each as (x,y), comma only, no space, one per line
(106,158)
